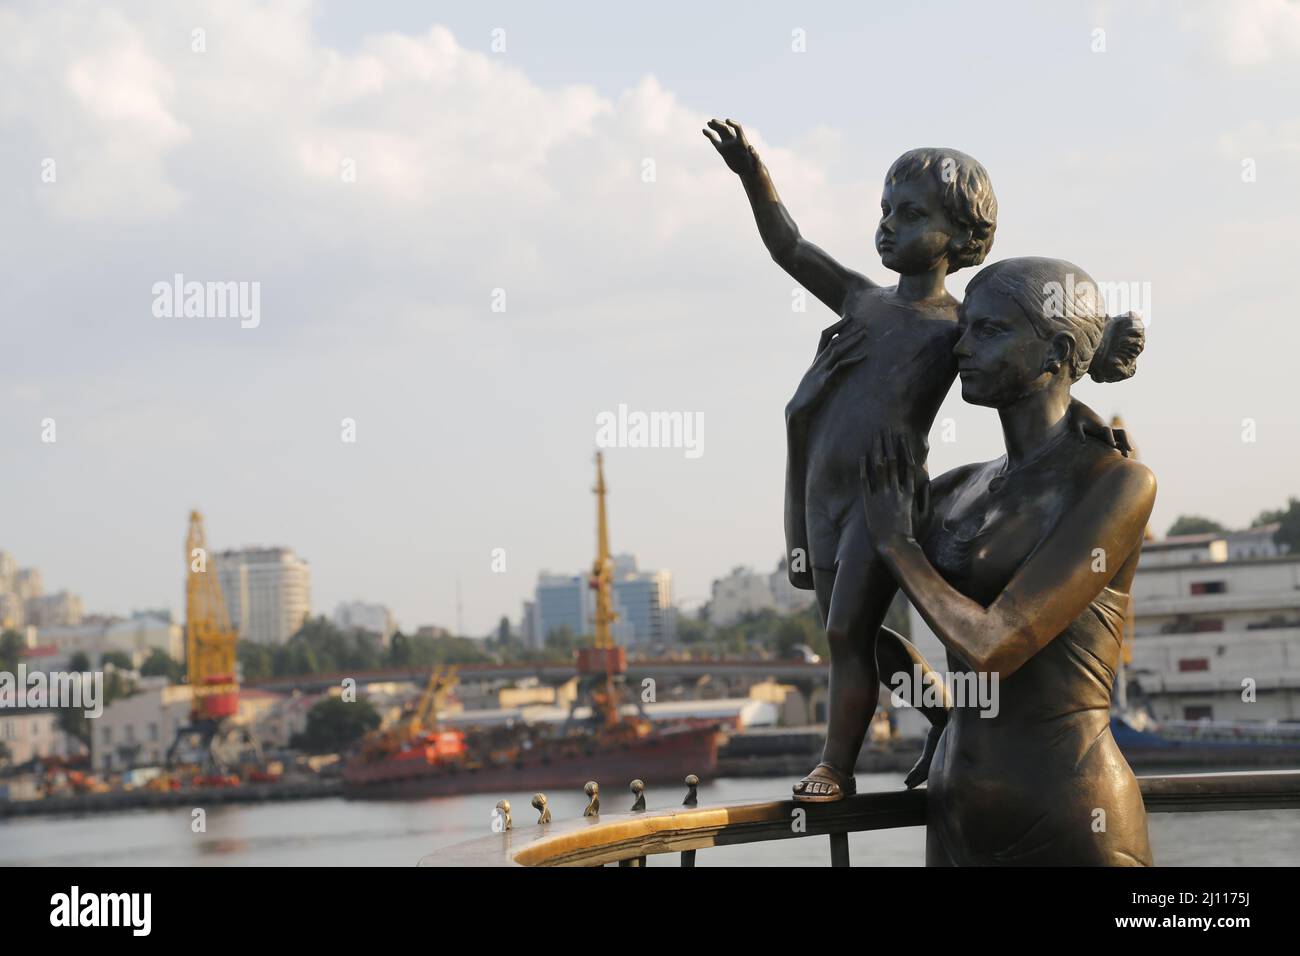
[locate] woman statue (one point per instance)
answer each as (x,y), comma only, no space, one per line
(1022,567)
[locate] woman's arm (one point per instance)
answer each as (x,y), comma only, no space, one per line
(811,267)
(1059,580)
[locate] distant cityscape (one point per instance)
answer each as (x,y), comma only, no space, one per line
(267,592)
(1215,636)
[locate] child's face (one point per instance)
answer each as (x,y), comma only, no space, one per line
(914,232)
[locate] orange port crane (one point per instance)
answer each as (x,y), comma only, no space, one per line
(421,722)
(210,640)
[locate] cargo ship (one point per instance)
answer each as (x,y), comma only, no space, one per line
(444,762)
(418,757)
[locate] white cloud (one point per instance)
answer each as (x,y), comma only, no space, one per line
(1248,32)
(470,175)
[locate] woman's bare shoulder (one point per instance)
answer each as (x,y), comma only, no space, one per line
(1118,472)
(1129,476)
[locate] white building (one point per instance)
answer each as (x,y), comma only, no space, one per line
(267,592)
(1211,630)
(741,592)
(788,597)
(142,634)
(360,616)
(137,637)
(85,639)
(746,592)
(34,733)
(137,731)
(1208,630)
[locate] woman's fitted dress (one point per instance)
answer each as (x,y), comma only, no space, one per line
(1043,782)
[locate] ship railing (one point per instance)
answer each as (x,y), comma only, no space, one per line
(628,839)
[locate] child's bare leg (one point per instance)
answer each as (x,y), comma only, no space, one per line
(856,597)
(897,655)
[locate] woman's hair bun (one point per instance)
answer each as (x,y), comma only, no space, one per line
(1121,343)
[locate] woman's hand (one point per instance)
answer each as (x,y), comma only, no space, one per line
(730,142)
(895,491)
(837,351)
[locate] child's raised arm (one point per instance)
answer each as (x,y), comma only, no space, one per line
(811,267)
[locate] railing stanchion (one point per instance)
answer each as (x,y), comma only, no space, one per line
(839,849)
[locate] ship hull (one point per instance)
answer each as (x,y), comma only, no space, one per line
(660,758)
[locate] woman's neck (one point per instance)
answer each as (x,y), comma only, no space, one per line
(1032,421)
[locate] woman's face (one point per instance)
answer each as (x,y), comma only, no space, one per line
(1000,357)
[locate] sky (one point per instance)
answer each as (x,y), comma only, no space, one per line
(476,227)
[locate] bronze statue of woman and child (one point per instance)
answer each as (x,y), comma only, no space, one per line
(1021,566)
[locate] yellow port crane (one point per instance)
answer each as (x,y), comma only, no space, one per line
(210,641)
(602,571)
(598,664)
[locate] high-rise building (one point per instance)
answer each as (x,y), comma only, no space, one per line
(13,611)
(643,601)
(528,627)
(24,603)
(562,601)
(28,584)
(55,610)
(267,592)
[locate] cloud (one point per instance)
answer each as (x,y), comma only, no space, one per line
(1247,32)
(626,249)
(410,154)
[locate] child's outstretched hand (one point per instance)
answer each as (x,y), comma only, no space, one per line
(1083,421)
(729,140)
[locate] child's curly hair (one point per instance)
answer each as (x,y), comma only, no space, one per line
(965,192)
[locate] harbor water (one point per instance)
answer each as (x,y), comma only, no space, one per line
(338,832)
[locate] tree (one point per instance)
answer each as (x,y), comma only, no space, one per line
(1288,534)
(79,662)
(73,720)
(692,630)
(334,723)
(119,659)
(11,651)
(1194,524)
(160,664)
(256,661)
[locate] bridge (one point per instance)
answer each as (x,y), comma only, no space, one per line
(557,672)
